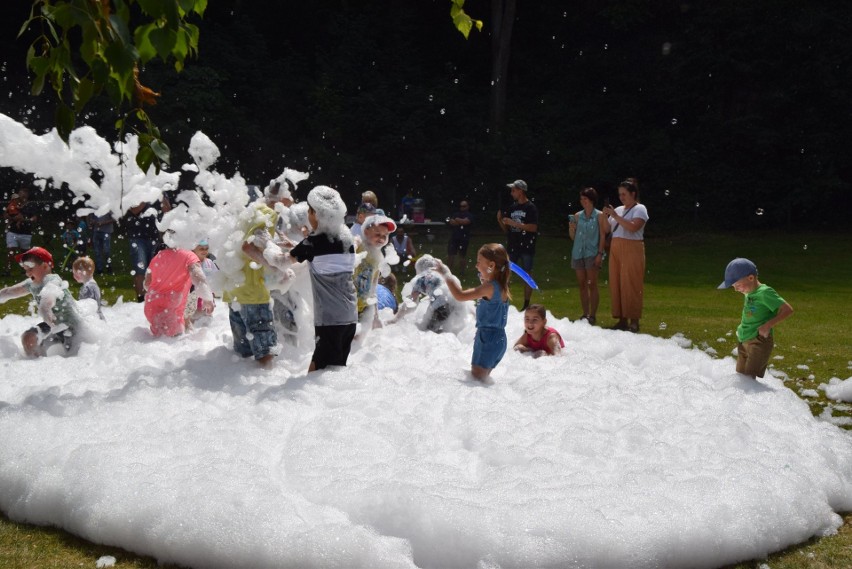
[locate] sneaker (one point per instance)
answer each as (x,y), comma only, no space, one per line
(591,320)
(633,328)
(619,326)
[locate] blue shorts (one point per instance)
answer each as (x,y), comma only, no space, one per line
(18,240)
(488,347)
(252,328)
(141,253)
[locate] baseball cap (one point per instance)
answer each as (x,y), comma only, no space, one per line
(39,253)
(379,220)
(367,208)
(520,184)
(737,269)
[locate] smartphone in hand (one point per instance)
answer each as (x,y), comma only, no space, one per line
(572,219)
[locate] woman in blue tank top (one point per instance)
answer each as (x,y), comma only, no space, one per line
(588,230)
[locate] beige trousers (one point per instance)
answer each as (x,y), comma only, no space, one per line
(627,277)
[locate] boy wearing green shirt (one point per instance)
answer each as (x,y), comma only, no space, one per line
(763,309)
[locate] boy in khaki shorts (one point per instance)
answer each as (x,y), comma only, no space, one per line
(763,309)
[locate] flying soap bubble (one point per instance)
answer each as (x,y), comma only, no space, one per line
(674,121)
(759,211)
(663,326)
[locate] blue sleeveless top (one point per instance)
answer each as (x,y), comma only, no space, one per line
(492,313)
(587,237)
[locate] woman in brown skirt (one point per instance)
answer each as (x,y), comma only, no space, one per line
(627,256)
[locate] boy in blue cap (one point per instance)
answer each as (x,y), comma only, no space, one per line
(763,309)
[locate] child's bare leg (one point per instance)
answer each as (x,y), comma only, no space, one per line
(479,373)
(29,339)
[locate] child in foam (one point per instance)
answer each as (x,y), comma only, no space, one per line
(429,284)
(538,338)
(492,309)
(364,211)
(83,270)
(194,304)
(167,282)
(54,302)
(376,230)
(763,309)
(331,257)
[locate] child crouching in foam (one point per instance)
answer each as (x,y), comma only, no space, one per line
(83,270)
(429,284)
(538,338)
(53,300)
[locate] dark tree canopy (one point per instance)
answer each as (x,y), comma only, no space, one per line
(731,114)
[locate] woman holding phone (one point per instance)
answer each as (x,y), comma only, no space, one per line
(627,256)
(588,230)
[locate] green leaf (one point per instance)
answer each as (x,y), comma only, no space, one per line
(100,71)
(119,26)
(38,85)
(161,150)
(63,14)
(64,121)
(145,157)
(181,47)
(119,124)
(200,7)
(141,36)
(193,34)
(153,8)
(164,41)
(83,93)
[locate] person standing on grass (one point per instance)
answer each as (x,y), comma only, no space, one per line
(460,221)
(141,230)
(763,309)
(20,215)
(588,230)
(520,222)
(103,227)
(627,256)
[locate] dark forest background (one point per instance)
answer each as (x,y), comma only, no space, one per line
(731,113)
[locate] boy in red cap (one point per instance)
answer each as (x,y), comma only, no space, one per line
(53,301)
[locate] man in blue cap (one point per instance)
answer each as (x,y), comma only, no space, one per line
(763,309)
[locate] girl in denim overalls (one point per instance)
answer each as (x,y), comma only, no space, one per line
(492,262)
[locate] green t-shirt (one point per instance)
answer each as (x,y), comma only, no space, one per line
(253,290)
(759,307)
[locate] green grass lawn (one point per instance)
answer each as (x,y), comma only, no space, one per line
(812,272)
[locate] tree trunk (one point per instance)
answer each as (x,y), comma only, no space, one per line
(503,18)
